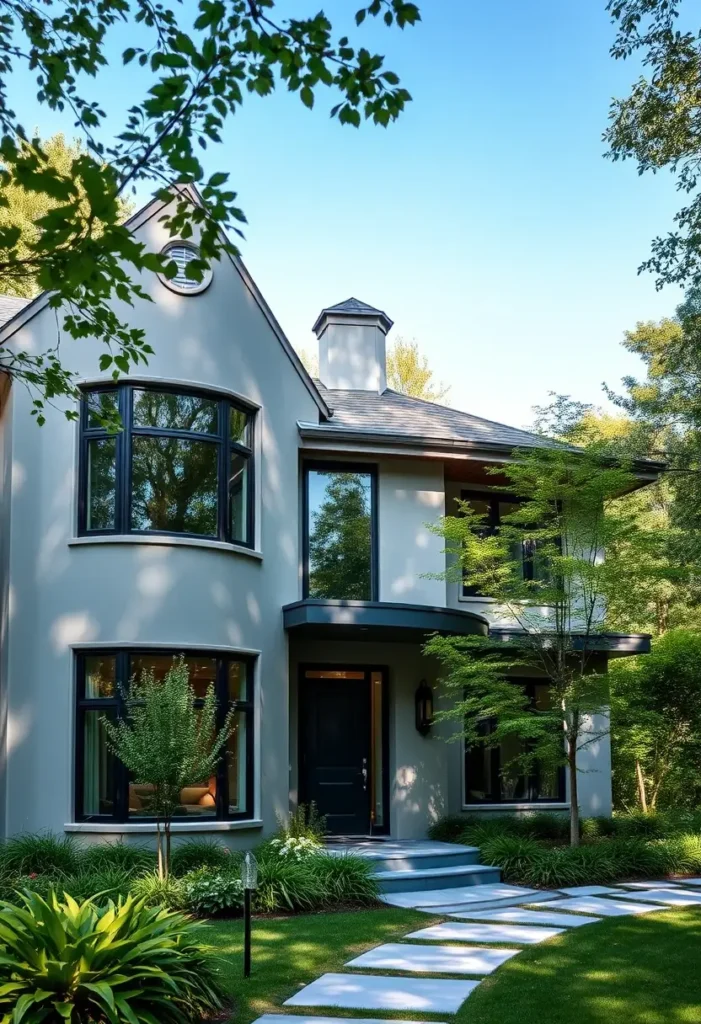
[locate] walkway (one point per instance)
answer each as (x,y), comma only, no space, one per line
(471,942)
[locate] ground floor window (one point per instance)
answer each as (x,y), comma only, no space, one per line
(488,779)
(103,789)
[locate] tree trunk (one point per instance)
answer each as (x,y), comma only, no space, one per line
(159,849)
(166,828)
(642,795)
(574,794)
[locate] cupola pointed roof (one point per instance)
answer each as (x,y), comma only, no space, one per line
(353,307)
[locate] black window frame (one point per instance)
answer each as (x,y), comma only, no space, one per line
(123,459)
(366,468)
(120,813)
(532,780)
(491,527)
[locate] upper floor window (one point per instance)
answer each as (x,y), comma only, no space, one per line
(103,789)
(183,464)
(493,508)
(340,532)
(182,255)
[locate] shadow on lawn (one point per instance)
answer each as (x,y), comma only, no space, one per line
(637,970)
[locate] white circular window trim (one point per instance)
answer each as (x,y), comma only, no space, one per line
(182,285)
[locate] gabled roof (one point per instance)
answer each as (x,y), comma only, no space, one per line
(392,414)
(354,307)
(29,308)
(10,305)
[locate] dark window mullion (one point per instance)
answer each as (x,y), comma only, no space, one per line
(181,435)
(223,524)
(123,474)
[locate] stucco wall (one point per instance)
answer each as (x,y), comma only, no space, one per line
(411,494)
(142,593)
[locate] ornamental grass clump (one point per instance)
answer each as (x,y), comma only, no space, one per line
(124,963)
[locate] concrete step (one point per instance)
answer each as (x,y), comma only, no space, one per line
(424,879)
(461,856)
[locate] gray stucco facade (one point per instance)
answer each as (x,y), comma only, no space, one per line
(62,594)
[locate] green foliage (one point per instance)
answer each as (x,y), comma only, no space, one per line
(656,124)
(124,963)
(304,822)
(201,853)
(656,722)
(569,511)
(117,856)
(447,829)
(409,373)
(159,892)
(201,61)
(212,895)
(166,743)
(40,852)
(312,883)
(100,885)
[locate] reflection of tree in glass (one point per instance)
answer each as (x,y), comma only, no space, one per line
(102,482)
(339,539)
(174,480)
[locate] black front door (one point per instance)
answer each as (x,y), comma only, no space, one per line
(335,729)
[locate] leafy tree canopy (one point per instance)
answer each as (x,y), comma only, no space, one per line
(657,124)
(409,373)
(200,61)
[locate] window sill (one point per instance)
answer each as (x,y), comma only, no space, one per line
(540,805)
(476,599)
(176,542)
(148,827)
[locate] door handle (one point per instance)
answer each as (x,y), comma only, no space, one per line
(364,773)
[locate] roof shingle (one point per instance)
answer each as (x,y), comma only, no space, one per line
(398,415)
(10,305)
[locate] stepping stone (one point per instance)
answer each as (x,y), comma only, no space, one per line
(588,890)
(502,933)
(375,992)
(457,898)
(669,897)
(600,907)
(686,881)
(648,885)
(397,956)
(519,915)
(298,1018)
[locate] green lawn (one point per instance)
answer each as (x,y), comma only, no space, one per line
(290,951)
(626,970)
(632,970)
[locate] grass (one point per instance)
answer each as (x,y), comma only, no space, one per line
(626,970)
(288,952)
(632,970)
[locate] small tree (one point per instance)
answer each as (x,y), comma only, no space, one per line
(552,585)
(167,743)
(409,373)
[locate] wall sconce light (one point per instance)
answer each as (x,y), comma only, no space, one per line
(423,699)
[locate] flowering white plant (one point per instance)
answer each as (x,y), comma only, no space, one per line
(299,848)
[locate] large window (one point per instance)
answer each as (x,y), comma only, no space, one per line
(183,464)
(493,508)
(491,776)
(340,532)
(104,791)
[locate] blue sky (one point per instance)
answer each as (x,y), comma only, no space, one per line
(485,222)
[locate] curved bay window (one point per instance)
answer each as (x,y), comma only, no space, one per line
(103,790)
(182,465)
(490,773)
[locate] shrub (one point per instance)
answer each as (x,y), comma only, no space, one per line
(304,823)
(346,879)
(74,962)
(117,856)
(110,883)
(209,895)
(159,892)
(447,829)
(544,825)
(285,884)
(294,848)
(201,853)
(40,853)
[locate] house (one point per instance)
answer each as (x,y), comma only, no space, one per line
(272,530)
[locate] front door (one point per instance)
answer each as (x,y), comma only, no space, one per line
(335,749)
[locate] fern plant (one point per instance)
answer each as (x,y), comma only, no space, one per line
(71,963)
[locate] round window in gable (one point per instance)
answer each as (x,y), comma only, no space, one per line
(182,253)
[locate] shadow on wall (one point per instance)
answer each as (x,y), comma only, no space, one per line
(416,801)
